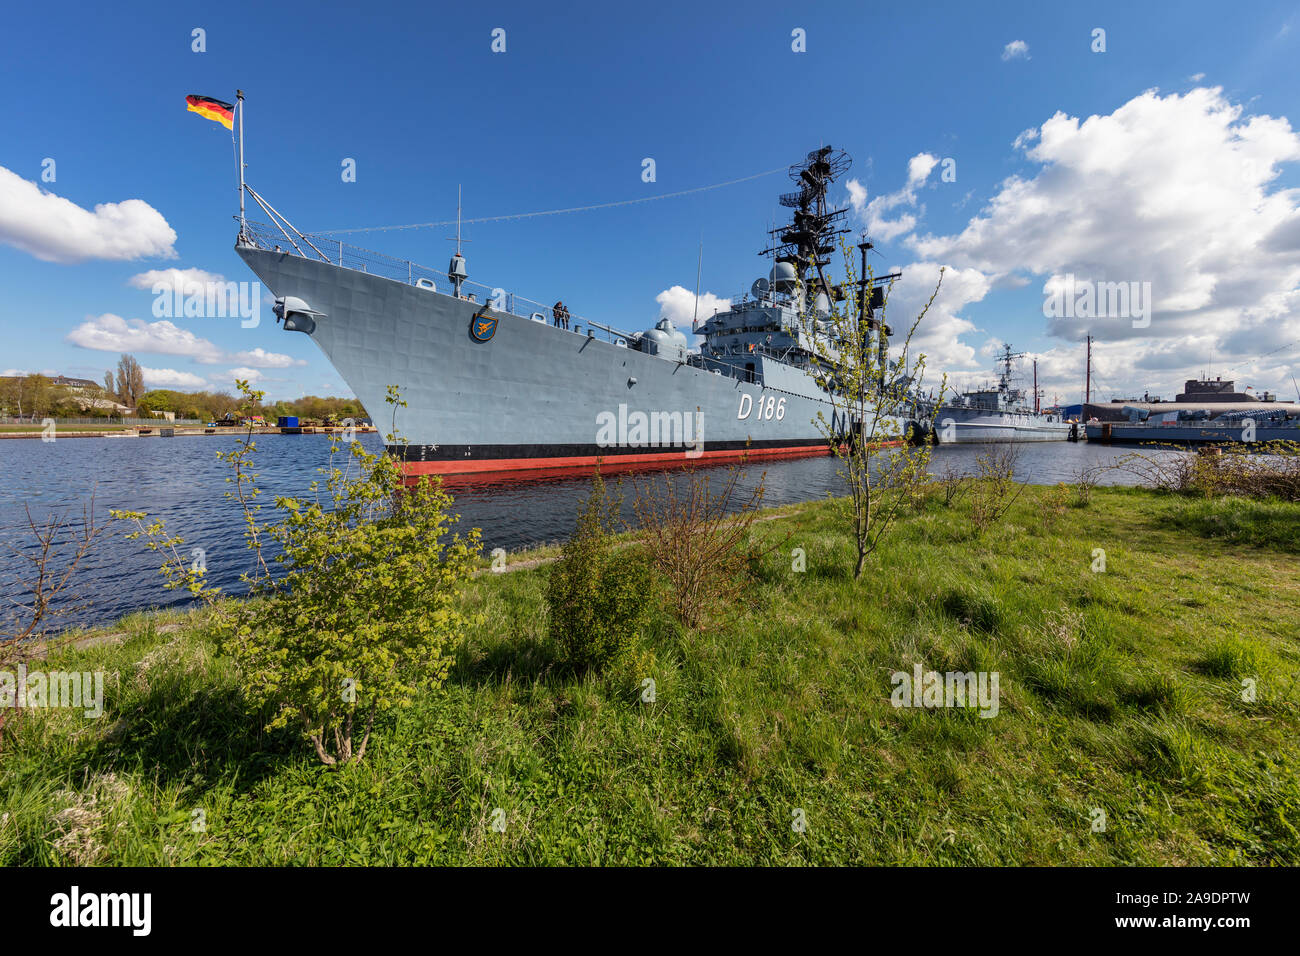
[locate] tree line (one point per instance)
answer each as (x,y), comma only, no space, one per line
(33,397)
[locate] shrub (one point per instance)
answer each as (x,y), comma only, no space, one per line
(699,540)
(995,488)
(597,593)
(366,611)
(362,608)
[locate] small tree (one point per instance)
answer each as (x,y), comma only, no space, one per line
(596,595)
(872,398)
(39,595)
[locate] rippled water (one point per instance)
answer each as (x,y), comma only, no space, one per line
(181,481)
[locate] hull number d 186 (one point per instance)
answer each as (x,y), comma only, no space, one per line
(766,408)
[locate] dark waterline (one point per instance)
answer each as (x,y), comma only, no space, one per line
(181,481)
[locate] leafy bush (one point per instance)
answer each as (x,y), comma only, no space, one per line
(366,608)
(597,594)
(362,607)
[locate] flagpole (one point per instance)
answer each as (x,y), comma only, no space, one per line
(239,101)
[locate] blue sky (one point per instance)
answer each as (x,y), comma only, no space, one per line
(712,92)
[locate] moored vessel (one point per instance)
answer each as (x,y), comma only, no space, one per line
(497,383)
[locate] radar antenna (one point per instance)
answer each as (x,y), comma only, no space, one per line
(806,242)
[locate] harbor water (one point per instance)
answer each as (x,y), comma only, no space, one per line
(181,481)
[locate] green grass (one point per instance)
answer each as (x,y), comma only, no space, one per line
(1268,524)
(1120,690)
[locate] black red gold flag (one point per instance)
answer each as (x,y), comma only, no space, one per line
(215,110)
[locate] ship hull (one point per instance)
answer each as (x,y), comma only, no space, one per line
(529,396)
(1187,435)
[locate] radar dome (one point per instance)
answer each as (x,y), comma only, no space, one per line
(783,276)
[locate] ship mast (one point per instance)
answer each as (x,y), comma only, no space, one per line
(1005,360)
(456,271)
(806,241)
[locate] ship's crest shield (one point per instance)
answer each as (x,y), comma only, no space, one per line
(482,327)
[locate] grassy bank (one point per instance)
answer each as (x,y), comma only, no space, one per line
(1120,691)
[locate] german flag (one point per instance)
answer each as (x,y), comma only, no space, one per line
(214,110)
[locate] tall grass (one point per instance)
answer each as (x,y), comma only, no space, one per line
(1121,691)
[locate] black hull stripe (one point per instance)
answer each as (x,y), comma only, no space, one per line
(508,452)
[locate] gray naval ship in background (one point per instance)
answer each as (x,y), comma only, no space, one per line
(999,413)
(496,383)
(1207,411)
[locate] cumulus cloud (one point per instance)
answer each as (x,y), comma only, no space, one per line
(249,374)
(112,333)
(170,378)
(1179,191)
(938,335)
(872,213)
(678,305)
(173,278)
(1016,50)
(261,358)
(55,229)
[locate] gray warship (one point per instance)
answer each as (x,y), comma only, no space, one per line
(497,383)
(998,413)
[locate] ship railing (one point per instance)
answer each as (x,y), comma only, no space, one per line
(348,256)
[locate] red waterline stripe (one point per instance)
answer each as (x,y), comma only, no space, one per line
(612,462)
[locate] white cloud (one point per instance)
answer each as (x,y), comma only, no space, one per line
(919,167)
(1175,190)
(170,378)
(260,358)
(872,213)
(857,195)
(939,332)
(252,375)
(1196,77)
(55,229)
(173,278)
(1016,49)
(10,372)
(112,333)
(678,304)
(1024,138)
